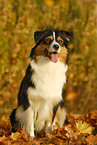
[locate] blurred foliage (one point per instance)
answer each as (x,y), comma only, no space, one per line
(18,21)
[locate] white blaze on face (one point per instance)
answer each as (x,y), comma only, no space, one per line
(51,49)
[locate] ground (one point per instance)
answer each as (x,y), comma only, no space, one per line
(81,130)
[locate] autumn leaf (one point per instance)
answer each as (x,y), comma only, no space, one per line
(83,127)
(70,132)
(54,139)
(15,136)
(94,114)
(92,140)
(55,126)
(3,138)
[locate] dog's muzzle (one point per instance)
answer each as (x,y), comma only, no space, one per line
(53,56)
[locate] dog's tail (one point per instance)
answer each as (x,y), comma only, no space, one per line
(14,122)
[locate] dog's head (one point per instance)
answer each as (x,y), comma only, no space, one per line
(53,45)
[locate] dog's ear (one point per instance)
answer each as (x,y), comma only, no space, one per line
(38,35)
(68,34)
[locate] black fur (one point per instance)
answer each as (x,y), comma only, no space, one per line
(15,124)
(26,83)
(61,104)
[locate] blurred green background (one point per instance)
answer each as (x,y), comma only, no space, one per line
(19,19)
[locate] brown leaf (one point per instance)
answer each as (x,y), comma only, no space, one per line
(71,119)
(94,114)
(92,139)
(81,140)
(70,133)
(3,131)
(90,118)
(55,140)
(3,138)
(5,124)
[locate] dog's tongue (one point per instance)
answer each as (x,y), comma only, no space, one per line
(54,57)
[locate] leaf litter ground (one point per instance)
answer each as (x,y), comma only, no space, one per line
(81,130)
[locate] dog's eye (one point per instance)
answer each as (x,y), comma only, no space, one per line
(61,42)
(47,41)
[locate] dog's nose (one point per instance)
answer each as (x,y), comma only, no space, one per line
(56,46)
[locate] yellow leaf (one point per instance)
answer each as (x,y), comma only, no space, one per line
(83,127)
(49,2)
(55,126)
(15,136)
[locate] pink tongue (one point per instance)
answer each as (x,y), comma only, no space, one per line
(54,57)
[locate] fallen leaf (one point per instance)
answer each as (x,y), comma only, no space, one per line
(71,119)
(94,114)
(55,126)
(15,136)
(53,139)
(90,118)
(2,132)
(92,140)
(70,133)
(3,138)
(83,127)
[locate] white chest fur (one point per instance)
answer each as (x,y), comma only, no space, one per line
(48,78)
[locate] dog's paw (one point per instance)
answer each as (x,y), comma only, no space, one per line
(49,128)
(32,137)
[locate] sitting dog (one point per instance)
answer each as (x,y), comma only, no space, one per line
(40,103)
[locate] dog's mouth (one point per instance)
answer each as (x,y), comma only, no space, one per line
(53,56)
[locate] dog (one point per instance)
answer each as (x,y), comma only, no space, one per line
(40,103)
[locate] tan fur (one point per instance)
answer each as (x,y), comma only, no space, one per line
(59,38)
(49,37)
(63,55)
(39,51)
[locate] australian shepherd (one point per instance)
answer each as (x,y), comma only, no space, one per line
(40,103)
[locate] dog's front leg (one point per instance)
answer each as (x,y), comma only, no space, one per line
(30,122)
(31,129)
(26,119)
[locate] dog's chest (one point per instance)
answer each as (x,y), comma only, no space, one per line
(48,79)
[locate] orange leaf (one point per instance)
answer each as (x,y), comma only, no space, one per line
(92,139)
